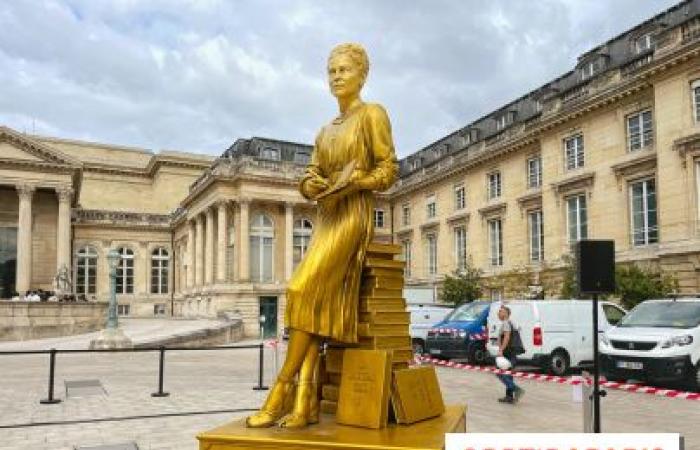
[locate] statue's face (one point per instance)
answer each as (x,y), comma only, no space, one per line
(344,76)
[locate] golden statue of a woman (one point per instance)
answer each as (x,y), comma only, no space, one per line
(323,294)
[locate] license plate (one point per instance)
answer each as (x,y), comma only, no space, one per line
(435,351)
(630,365)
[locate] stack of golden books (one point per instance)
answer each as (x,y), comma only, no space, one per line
(383,320)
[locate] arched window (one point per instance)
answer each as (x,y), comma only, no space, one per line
(262,235)
(160,260)
(125,271)
(86,270)
(302,237)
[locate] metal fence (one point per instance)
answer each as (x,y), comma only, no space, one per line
(50,399)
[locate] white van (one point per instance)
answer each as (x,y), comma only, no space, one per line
(423,317)
(659,340)
(556,334)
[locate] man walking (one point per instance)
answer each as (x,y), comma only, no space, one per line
(505,350)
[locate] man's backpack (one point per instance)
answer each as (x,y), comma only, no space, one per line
(516,343)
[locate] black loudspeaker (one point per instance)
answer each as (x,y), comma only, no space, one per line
(595,266)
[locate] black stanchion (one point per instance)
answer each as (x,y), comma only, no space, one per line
(161,368)
(260,386)
(52,372)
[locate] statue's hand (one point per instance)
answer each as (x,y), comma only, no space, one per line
(315,186)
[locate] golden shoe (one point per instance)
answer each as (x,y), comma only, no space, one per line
(279,402)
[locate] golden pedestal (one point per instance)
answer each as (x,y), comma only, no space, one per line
(425,435)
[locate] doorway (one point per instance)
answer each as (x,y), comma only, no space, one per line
(268,310)
(8,261)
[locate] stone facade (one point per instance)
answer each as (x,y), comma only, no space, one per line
(609,150)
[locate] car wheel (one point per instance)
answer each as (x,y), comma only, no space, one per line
(558,363)
(418,348)
(476,354)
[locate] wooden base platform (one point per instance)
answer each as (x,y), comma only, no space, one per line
(425,435)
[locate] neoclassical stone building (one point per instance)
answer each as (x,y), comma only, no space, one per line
(610,149)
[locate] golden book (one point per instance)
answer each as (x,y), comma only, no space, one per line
(365,386)
(416,395)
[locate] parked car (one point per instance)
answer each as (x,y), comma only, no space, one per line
(659,340)
(557,334)
(461,335)
(423,317)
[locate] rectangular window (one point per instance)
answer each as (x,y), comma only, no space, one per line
(406,251)
(534,172)
(496,242)
(123,310)
(270,153)
(640,131)
(379,218)
(494,185)
(695,88)
(430,207)
(431,243)
(536,236)
(577,218)
(301,158)
(501,122)
(588,70)
(645,228)
(159,309)
(573,152)
(460,236)
(405,215)
(460,197)
(642,43)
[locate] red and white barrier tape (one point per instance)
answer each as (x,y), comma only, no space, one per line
(271,343)
(670,393)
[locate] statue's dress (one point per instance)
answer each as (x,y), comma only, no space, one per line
(323,294)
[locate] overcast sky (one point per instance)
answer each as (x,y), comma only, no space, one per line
(195,75)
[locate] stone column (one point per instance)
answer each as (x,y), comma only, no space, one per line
(199,252)
(244,252)
(190,253)
(209,248)
(63,242)
(222,243)
(24,239)
(288,240)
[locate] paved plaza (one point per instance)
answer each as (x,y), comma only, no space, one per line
(203,381)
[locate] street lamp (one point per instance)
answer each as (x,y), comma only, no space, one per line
(112,318)
(112,336)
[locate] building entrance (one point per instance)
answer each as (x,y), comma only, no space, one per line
(8,261)
(268,310)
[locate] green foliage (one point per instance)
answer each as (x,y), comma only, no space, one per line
(634,284)
(463,286)
(569,289)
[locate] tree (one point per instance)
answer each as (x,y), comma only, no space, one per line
(463,286)
(634,284)
(569,289)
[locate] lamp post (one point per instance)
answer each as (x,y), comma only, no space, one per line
(112,336)
(112,318)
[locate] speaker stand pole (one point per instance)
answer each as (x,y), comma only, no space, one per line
(596,369)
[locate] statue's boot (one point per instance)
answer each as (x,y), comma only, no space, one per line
(279,402)
(305,410)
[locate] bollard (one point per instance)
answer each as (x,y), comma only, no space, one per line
(160,392)
(52,372)
(260,386)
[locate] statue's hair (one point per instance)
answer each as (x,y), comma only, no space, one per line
(356,52)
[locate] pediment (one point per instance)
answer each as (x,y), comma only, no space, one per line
(17,147)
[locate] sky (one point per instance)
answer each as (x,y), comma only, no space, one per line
(195,75)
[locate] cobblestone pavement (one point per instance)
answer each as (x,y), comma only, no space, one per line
(200,381)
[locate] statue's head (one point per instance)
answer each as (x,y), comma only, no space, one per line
(348,66)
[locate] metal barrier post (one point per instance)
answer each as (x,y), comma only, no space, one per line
(161,368)
(261,356)
(52,372)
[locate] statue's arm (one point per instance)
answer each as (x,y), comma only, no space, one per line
(314,181)
(385,171)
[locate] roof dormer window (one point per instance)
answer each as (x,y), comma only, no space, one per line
(501,122)
(643,43)
(588,70)
(272,154)
(415,164)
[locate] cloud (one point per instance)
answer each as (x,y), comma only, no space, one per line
(196,75)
